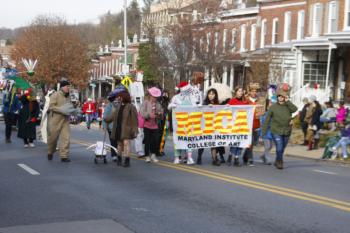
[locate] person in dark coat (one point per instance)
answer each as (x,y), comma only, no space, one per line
(303,123)
(27,120)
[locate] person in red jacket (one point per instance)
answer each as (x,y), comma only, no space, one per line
(89,110)
(239,99)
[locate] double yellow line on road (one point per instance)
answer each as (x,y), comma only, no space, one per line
(330,202)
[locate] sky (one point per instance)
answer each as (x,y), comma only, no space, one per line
(18,13)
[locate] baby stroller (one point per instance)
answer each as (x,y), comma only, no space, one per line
(100,149)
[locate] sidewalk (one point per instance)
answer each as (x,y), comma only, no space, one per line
(299,151)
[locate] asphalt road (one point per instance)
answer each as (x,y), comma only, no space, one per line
(307,196)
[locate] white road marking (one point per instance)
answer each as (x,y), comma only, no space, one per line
(28,169)
(330,173)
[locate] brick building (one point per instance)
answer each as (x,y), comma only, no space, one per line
(306,43)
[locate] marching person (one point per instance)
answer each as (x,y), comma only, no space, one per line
(280,116)
(89,110)
(11,107)
(239,99)
(254,99)
(184,98)
(58,122)
(151,111)
(125,128)
(267,138)
(27,120)
(211,99)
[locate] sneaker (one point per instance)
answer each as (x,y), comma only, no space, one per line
(345,157)
(251,164)
(236,162)
(31,145)
(190,161)
(148,159)
(154,158)
(334,149)
(176,160)
(26,145)
(114,158)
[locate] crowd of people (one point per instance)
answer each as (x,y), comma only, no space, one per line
(127,117)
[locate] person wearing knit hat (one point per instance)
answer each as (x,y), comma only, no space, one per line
(58,122)
(313,119)
(254,99)
(279,118)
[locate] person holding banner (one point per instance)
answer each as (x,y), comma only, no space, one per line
(151,111)
(239,99)
(280,116)
(210,99)
(188,96)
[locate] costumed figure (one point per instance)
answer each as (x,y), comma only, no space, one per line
(188,96)
(28,117)
(137,97)
(42,132)
(89,109)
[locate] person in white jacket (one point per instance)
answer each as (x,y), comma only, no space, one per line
(188,96)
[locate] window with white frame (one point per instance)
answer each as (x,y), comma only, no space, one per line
(315,73)
(253,37)
(233,40)
(347,15)
(274,31)
(224,39)
(208,41)
(287,26)
(243,36)
(216,42)
(263,33)
(317,19)
(301,23)
(332,16)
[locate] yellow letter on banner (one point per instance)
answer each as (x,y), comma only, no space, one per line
(194,124)
(240,125)
(209,129)
(218,121)
(181,119)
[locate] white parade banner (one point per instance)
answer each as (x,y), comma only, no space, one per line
(197,127)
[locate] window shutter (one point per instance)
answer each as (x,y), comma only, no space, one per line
(320,15)
(311,16)
(336,15)
(326,20)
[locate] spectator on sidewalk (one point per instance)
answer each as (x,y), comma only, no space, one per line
(28,117)
(280,115)
(312,117)
(343,142)
(302,115)
(341,113)
(89,110)
(329,115)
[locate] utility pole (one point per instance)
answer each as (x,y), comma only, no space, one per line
(125,36)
